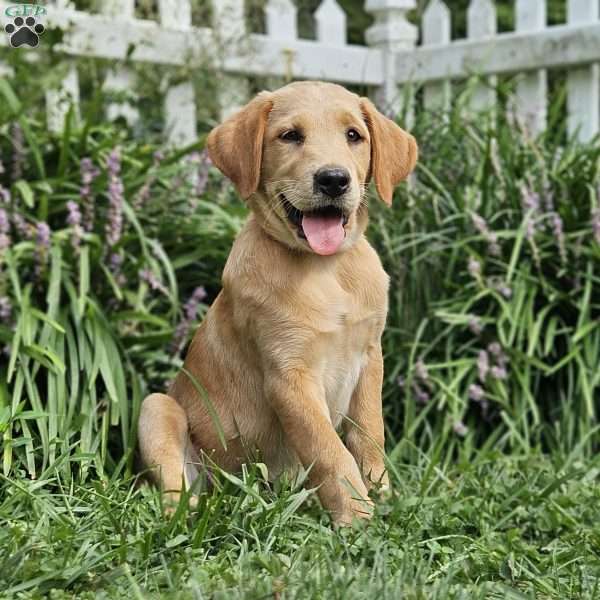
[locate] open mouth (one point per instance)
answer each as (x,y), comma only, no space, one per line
(322,228)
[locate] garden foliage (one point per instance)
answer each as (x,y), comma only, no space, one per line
(111,250)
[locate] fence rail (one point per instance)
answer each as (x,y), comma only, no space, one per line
(392,59)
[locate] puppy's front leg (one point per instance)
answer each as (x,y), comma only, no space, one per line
(300,407)
(364,428)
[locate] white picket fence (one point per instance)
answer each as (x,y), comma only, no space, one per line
(391,60)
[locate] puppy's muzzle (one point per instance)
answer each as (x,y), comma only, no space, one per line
(332,181)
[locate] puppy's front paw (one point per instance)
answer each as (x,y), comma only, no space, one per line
(171,501)
(352,506)
(377,480)
(360,510)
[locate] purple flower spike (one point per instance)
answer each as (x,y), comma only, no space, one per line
(4,196)
(421,394)
(558,231)
(483,365)
(530,199)
(152,280)
(190,311)
(530,231)
(74,221)
(144,192)
(421,370)
(476,392)
(5,309)
(42,242)
(114,224)
(199,294)
(495,349)
(474,267)
(480,224)
(475,325)
(596,224)
(116,261)
(74,214)
(115,264)
(498,372)
(4,222)
(88,173)
(548,198)
(42,237)
(202,175)
(505,290)
(4,242)
(490,237)
(460,428)
(23,228)
(4,231)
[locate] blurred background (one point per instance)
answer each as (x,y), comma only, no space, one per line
(116,228)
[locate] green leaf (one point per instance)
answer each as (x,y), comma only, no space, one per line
(26,192)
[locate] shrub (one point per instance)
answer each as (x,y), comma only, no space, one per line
(103,240)
(493,253)
(111,250)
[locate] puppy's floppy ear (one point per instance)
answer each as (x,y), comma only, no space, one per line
(235,146)
(393,151)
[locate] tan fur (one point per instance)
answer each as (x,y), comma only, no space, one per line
(290,350)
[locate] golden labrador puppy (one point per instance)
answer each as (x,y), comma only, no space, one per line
(290,350)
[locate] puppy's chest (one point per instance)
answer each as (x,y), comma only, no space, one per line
(342,354)
(340,372)
(345,315)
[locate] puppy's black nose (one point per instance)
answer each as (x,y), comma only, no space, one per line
(332,181)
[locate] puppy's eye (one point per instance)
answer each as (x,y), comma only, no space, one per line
(353,135)
(293,135)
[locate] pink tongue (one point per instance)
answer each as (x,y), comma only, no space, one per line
(324,234)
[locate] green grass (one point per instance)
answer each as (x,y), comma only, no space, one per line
(495,496)
(487,525)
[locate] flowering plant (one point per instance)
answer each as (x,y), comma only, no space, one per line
(494,324)
(108,250)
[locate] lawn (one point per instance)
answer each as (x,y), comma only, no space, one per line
(487,525)
(111,250)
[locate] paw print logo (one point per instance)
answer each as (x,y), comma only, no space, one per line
(22,32)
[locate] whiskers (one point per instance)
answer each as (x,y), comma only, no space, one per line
(280,188)
(290,189)
(365,194)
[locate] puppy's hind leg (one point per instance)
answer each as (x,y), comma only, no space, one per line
(165,445)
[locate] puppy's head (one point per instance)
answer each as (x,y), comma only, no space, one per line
(303,156)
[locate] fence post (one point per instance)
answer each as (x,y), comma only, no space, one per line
(282,24)
(120,80)
(60,99)
(391,33)
(179,102)
(281,19)
(436,30)
(531,95)
(230,27)
(331,23)
(481,23)
(583,83)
